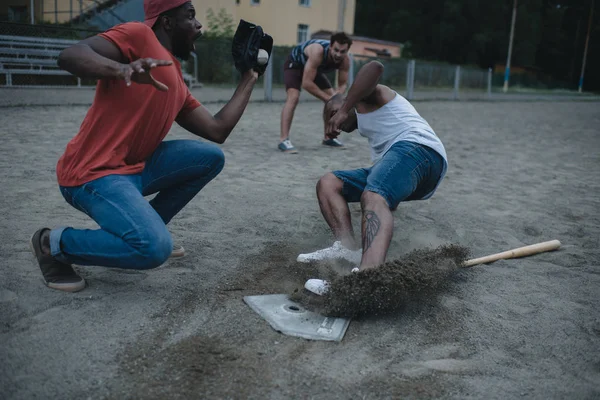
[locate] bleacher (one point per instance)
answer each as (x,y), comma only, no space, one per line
(32,61)
(24,61)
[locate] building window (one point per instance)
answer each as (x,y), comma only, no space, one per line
(18,14)
(304,3)
(302,33)
(254,2)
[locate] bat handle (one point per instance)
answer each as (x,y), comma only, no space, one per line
(514,253)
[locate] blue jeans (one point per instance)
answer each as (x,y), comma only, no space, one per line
(133,232)
(408,171)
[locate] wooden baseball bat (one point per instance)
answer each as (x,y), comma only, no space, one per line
(514,253)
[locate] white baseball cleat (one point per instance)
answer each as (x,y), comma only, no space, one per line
(330,253)
(178,251)
(317,286)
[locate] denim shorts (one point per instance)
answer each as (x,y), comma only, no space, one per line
(408,171)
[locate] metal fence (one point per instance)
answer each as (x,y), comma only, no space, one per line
(28,56)
(417,78)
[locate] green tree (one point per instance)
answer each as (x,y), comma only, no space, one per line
(219,25)
(549,34)
(214,48)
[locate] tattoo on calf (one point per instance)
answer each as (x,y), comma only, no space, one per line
(371,224)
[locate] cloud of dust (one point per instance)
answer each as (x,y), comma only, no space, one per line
(388,287)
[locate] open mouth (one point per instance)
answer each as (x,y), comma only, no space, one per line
(194,38)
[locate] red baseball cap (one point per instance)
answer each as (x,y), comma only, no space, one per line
(153,8)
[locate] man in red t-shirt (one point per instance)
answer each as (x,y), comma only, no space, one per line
(119,156)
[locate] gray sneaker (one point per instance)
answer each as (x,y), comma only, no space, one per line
(287,147)
(335,142)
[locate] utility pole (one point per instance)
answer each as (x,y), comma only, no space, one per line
(340,28)
(341,14)
(587,41)
(31,12)
(510,45)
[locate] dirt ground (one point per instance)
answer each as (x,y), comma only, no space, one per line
(519,173)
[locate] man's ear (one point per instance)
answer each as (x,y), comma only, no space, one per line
(166,22)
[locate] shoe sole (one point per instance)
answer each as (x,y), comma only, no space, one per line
(178,253)
(305,259)
(65,287)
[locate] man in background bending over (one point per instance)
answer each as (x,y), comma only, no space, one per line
(409,162)
(305,68)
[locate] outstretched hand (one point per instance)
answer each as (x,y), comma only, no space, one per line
(333,126)
(139,72)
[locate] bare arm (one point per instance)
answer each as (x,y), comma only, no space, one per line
(217,128)
(315,57)
(351,123)
(97,58)
(364,85)
(365,88)
(93,57)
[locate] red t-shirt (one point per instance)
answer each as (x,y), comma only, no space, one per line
(125,125)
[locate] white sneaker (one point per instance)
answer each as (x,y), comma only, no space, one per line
(317,286)
(331,253)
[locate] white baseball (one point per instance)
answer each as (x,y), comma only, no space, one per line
(263,57)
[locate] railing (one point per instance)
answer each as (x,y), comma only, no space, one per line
(22,58)
(78,10)
(33,51)
(32,61)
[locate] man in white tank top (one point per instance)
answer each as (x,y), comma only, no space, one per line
(409,162)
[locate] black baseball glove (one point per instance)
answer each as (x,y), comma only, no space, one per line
(247,40)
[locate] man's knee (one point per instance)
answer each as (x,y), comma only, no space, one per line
(293,97)
(153,248)
(216,159)
(210,157)
(329,183)
(369,199)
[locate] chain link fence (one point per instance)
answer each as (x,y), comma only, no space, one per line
(28,55)
(419,79)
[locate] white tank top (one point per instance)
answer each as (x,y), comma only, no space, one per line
(396,121)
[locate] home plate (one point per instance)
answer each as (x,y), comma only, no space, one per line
(292,319)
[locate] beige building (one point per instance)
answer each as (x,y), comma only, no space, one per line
(288,21)
(50,11)
(17,11)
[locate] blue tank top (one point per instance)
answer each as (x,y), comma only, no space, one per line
(299,57)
